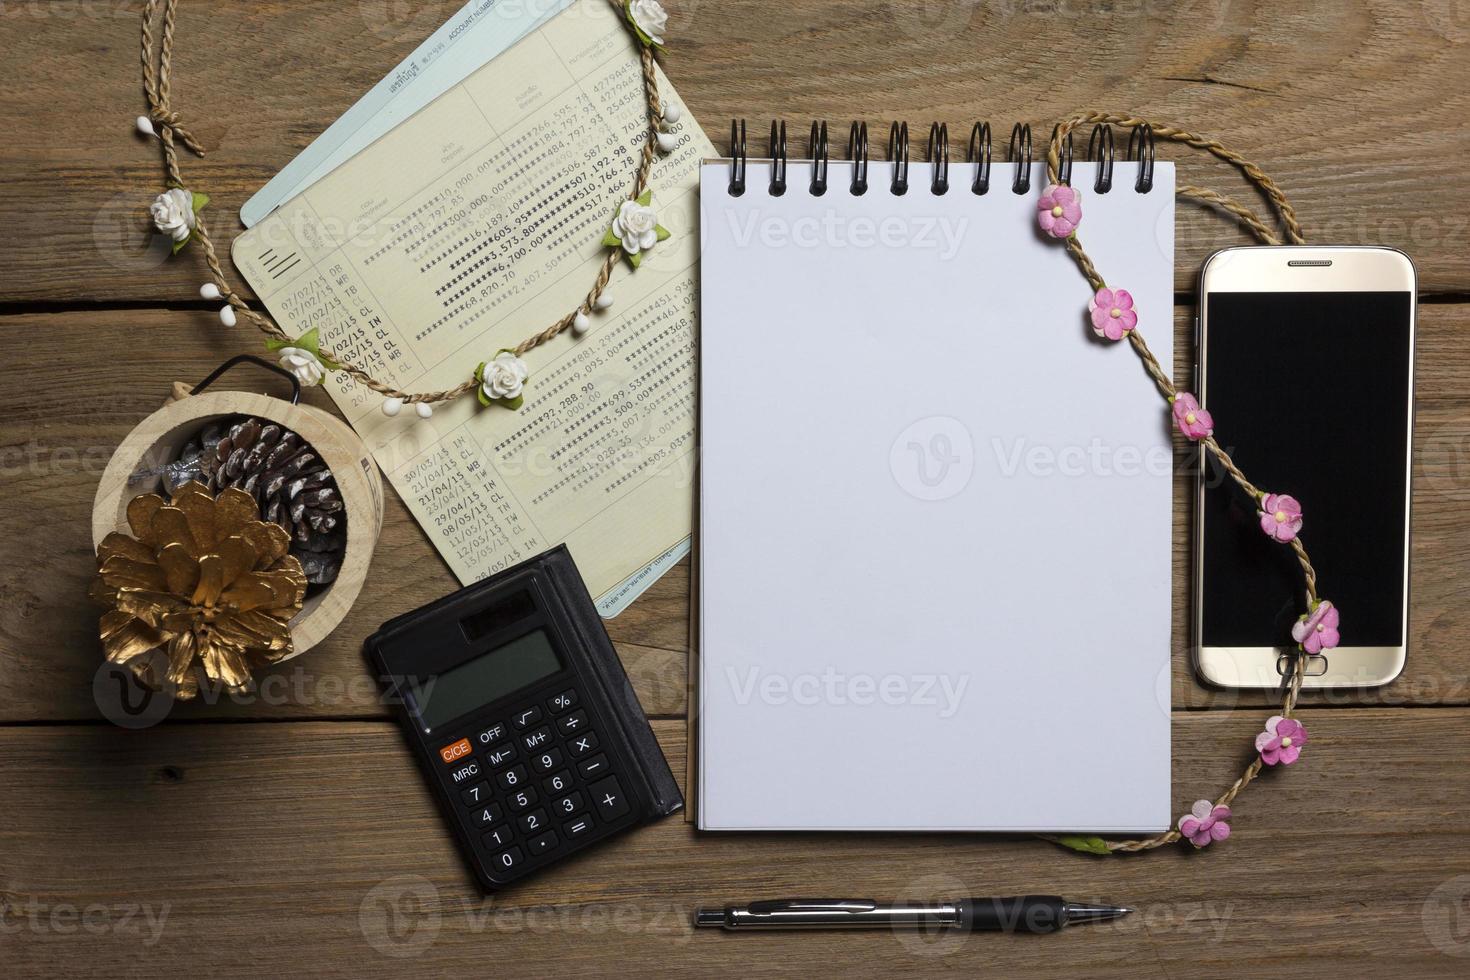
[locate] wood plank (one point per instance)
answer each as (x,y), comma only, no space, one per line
(52,453)
(1357,112)
(314,848)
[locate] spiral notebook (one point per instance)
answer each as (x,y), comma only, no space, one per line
(934,549)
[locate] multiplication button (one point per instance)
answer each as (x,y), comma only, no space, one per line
(582,744)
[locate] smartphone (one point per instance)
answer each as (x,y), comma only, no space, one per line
(1305,359)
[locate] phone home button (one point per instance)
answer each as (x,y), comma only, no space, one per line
(1316,665)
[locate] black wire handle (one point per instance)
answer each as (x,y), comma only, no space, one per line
(1101,150)
(737,157)
(1144,134)
(778,157)
(980,156)
(1020,155)
(898,154)
(1064,156)
(857,152)
(242,358)
(939,157)
(817,147)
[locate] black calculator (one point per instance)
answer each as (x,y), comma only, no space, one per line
(522,718)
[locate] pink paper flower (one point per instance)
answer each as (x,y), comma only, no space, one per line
(1282,740)
(1059,209)
(1281,516)
(1193,421)
(1112,313)
(1317,631)
(1205,824)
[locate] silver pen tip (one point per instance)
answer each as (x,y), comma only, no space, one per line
(1076,913)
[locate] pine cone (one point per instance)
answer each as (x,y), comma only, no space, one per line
(289,481)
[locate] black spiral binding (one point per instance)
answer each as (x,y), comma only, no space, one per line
(980,156)
(898,154)
(857,152)
(817,147)
(1101,150)
(1143,134)
(778,157)
(737,157)
(938,158)
(1020,154)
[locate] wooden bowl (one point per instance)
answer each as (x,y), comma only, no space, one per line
(136,468)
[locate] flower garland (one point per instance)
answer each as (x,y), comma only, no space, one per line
(1113,317)
(634,230)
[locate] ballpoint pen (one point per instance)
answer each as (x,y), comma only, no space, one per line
(1023,913)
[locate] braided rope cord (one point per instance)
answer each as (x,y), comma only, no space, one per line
(157,58)
(1252,223)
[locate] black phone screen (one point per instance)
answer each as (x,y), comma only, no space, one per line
(1310,394)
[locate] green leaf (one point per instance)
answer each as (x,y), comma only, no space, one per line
(661,232)
(635,258)
(1087,845)
(612,240)
(513,403)
(646,198)
(480,373)
(276,343)
(200,201)
(179,245)
(484,398)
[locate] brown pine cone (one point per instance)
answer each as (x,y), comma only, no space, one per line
(288,480)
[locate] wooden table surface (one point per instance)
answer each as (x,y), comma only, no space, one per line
(287,831)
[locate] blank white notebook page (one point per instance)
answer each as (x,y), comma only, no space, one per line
(935,509)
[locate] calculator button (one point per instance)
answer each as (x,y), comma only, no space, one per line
(559,783)
(583,744)
(522,798)
(455,751)
(512,778)
(476,794)
(534,822)
(608,797)
(536,739)
(499,757)
(563,701)
(577,826)
(573,723)
(565,806)
(492,734)
(527,718)
(509,859)
(595,766)
(498,837)
(547,761)
(542,844)
(488,814)
(466,772)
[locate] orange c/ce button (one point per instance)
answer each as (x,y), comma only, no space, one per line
(455,751)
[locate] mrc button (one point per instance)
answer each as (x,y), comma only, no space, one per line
(455,751)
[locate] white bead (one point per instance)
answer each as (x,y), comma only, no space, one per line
(672,113)
(580,323)
(227,315)
(424,409)
(392,406)
(604,301)
(145,126)
(667,141)
(210,291)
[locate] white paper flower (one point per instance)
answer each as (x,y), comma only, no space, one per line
(173,213)
(636,226)
(650,17)
(504,377)
(304,364)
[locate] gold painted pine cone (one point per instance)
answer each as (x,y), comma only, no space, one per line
(202,584)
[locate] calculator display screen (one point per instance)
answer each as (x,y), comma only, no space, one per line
(490,677)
